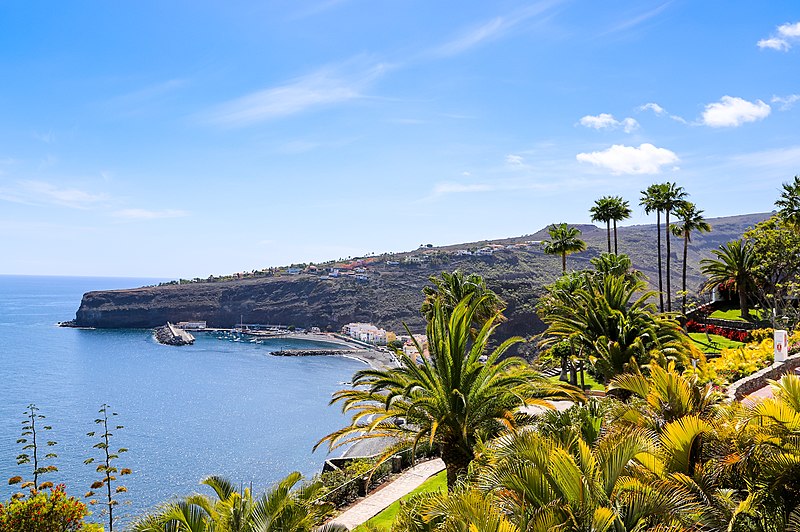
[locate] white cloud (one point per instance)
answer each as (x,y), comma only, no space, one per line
(791,31)
(607,121)
(327,86)
(144,214)
(620,159)
(733,112)
(652,106)
(774,44)
(787,33)
(514,160)
(786,101)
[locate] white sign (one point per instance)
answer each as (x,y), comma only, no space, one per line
(781,345)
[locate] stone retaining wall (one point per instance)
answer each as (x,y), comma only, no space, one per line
(756,381)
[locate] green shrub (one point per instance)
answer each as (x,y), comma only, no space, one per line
(759,335)
(43,511)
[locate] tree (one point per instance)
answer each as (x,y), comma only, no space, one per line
(776,243)
(450,399)
(689,219)
(451,288)
(735,264)
(653,201)
(620,210)
(31,448)
(563,241)
(282,509)
(107,467)
(602,212)
(673,198)
(789,202)
(46,512)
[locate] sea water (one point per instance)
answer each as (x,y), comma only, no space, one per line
(218,407)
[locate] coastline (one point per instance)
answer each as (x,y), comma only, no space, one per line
(372,357)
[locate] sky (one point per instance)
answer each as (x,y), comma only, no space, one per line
(190,138)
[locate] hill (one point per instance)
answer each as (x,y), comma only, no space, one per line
(387,290)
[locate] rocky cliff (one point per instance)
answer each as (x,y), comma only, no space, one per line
(392,293)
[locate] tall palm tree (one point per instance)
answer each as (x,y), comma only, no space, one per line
(620,210)
(673,199)
(690,218)
(451,399)
(563,241)
(652,200)
(281,509)
(789,202)
(736,262)
(602,212)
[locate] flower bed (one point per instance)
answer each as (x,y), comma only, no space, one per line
(729,333)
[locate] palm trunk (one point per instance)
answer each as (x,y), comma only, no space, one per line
(745,311)
(456,462)
(683,286)
(615,237)
(563,263)
(660,276)
(669,292)
(608,234)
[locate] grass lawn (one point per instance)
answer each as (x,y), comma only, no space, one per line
(384,519)
(733,314)
(720,341)
(588,380)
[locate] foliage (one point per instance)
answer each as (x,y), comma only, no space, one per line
(789,202)
(106,467)
(384,520)
(734,364)
(284,508)
(44,511)
(451,288)
(737,335)
(31,451)
(451,399)
(690,219)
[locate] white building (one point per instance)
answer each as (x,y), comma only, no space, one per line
(365,332)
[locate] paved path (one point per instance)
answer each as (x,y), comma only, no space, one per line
(375,503)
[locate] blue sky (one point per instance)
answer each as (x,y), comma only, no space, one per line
(193,138)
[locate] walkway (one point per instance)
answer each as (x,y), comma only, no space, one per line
(375,503)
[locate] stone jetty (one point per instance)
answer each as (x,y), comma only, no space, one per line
(170,335)
(316,352)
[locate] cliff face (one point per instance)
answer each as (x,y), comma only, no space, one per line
(392,295)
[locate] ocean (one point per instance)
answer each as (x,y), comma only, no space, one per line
(216,407)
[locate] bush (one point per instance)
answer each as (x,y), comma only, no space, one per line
(734,364)
(759,335)
(45,512)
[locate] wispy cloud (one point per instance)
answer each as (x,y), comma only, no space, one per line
(621,159)
(139,100)
(787,102)
(326,86)
(660,111)
(145,214)
(730,111)
(43,193)
(636,20)
(785,36)
(493,29)
(607,121)
(786,159)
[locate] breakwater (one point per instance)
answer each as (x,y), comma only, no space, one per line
(170,335)
(316,352)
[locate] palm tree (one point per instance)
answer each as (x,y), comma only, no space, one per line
(610,320)
(735,263)
(602,212)
(620,210)
(451,288)
(789,202)
(673,199)
(689,219)
(282,509)
(450,399)
(564,241)
(653,201)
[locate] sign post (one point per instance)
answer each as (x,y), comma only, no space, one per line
(781,347)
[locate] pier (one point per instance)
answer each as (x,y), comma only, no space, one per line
(170,335)
(315,352)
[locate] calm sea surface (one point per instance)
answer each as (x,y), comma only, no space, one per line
(216,407)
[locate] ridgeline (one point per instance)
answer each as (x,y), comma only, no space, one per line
(387,290)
